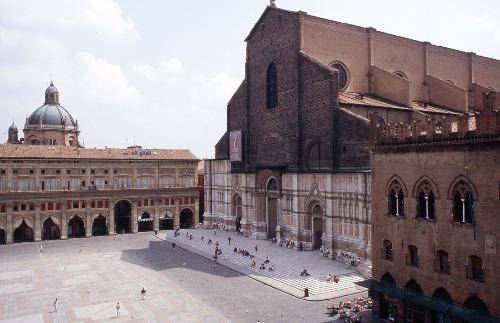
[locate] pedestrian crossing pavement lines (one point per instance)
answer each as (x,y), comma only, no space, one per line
(281,274)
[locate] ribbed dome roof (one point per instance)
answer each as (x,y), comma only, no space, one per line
(13,128)
(51,115)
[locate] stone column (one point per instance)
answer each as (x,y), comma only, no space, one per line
(37,225)
(156,223)
(9,230)
(177,212)
(196,215)
(64,221)
(135,227)
(111,220)
(88,217)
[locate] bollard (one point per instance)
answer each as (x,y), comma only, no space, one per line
(306,292)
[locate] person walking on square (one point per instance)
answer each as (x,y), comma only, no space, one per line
(117,306)
(56,304)
(143,294)
(229,240)
(255,248)
(41,249)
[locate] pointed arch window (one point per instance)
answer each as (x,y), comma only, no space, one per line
(442,264)
(426,202)
(463,203)
(387,251)
(271,86)
(412,256)
(396,203)
(475,269)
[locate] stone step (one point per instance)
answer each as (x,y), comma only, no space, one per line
(282,274)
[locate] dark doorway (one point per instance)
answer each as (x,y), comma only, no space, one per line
(145,222)
(272,217)
(76,228)
(317,233)
(99,226)
(186,219)
(50,230)
(166,224)
(23,233)
(237,212)
(2,236)
(123,215)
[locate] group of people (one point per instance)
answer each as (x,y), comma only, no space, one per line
(350,310)
(332,278)
(177,231)
(304,273)
(288,243)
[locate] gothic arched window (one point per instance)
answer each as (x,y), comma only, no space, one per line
(387,251)
(271,87)
(463,203)
(396,199)
(412,256)
(426,201)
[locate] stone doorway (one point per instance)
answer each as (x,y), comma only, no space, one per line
(76,227)
(50,230)
(237,211)
(167,220)
(271,207)
(99,227)
(2,236)
(317,233)
(123,217)
(186,219)
(145,222)
(23,233)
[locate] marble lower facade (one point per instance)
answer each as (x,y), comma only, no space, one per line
(310,209)
(48,216)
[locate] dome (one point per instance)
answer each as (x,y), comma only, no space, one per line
(13,128)
(50,115)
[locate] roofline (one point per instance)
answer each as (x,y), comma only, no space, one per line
(269,7)
(377,33)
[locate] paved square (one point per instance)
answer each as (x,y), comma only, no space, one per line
(89,276)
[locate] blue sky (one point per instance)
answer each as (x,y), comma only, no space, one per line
(159,73)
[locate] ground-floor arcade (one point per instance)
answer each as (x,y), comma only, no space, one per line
(123,215)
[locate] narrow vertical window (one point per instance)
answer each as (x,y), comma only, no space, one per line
(271,87)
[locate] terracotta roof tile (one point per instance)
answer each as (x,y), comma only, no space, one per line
(353,98)
(67,152)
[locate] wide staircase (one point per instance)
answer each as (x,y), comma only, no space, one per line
(286,276)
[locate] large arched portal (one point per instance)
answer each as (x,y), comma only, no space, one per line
(167,220)
(237,209)
(123,216)
(50,230)
(2,236)
(317,226)
(23,233)
(186,219)
(99,227)
(76,227)
(145,222)
(271,207)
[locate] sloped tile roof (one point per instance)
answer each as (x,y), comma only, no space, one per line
(67,152)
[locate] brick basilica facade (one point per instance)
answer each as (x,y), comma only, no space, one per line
(294,162)
(53,188)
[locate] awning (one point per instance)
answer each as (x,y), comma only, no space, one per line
(167,215)
(433,304)
(145,220)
